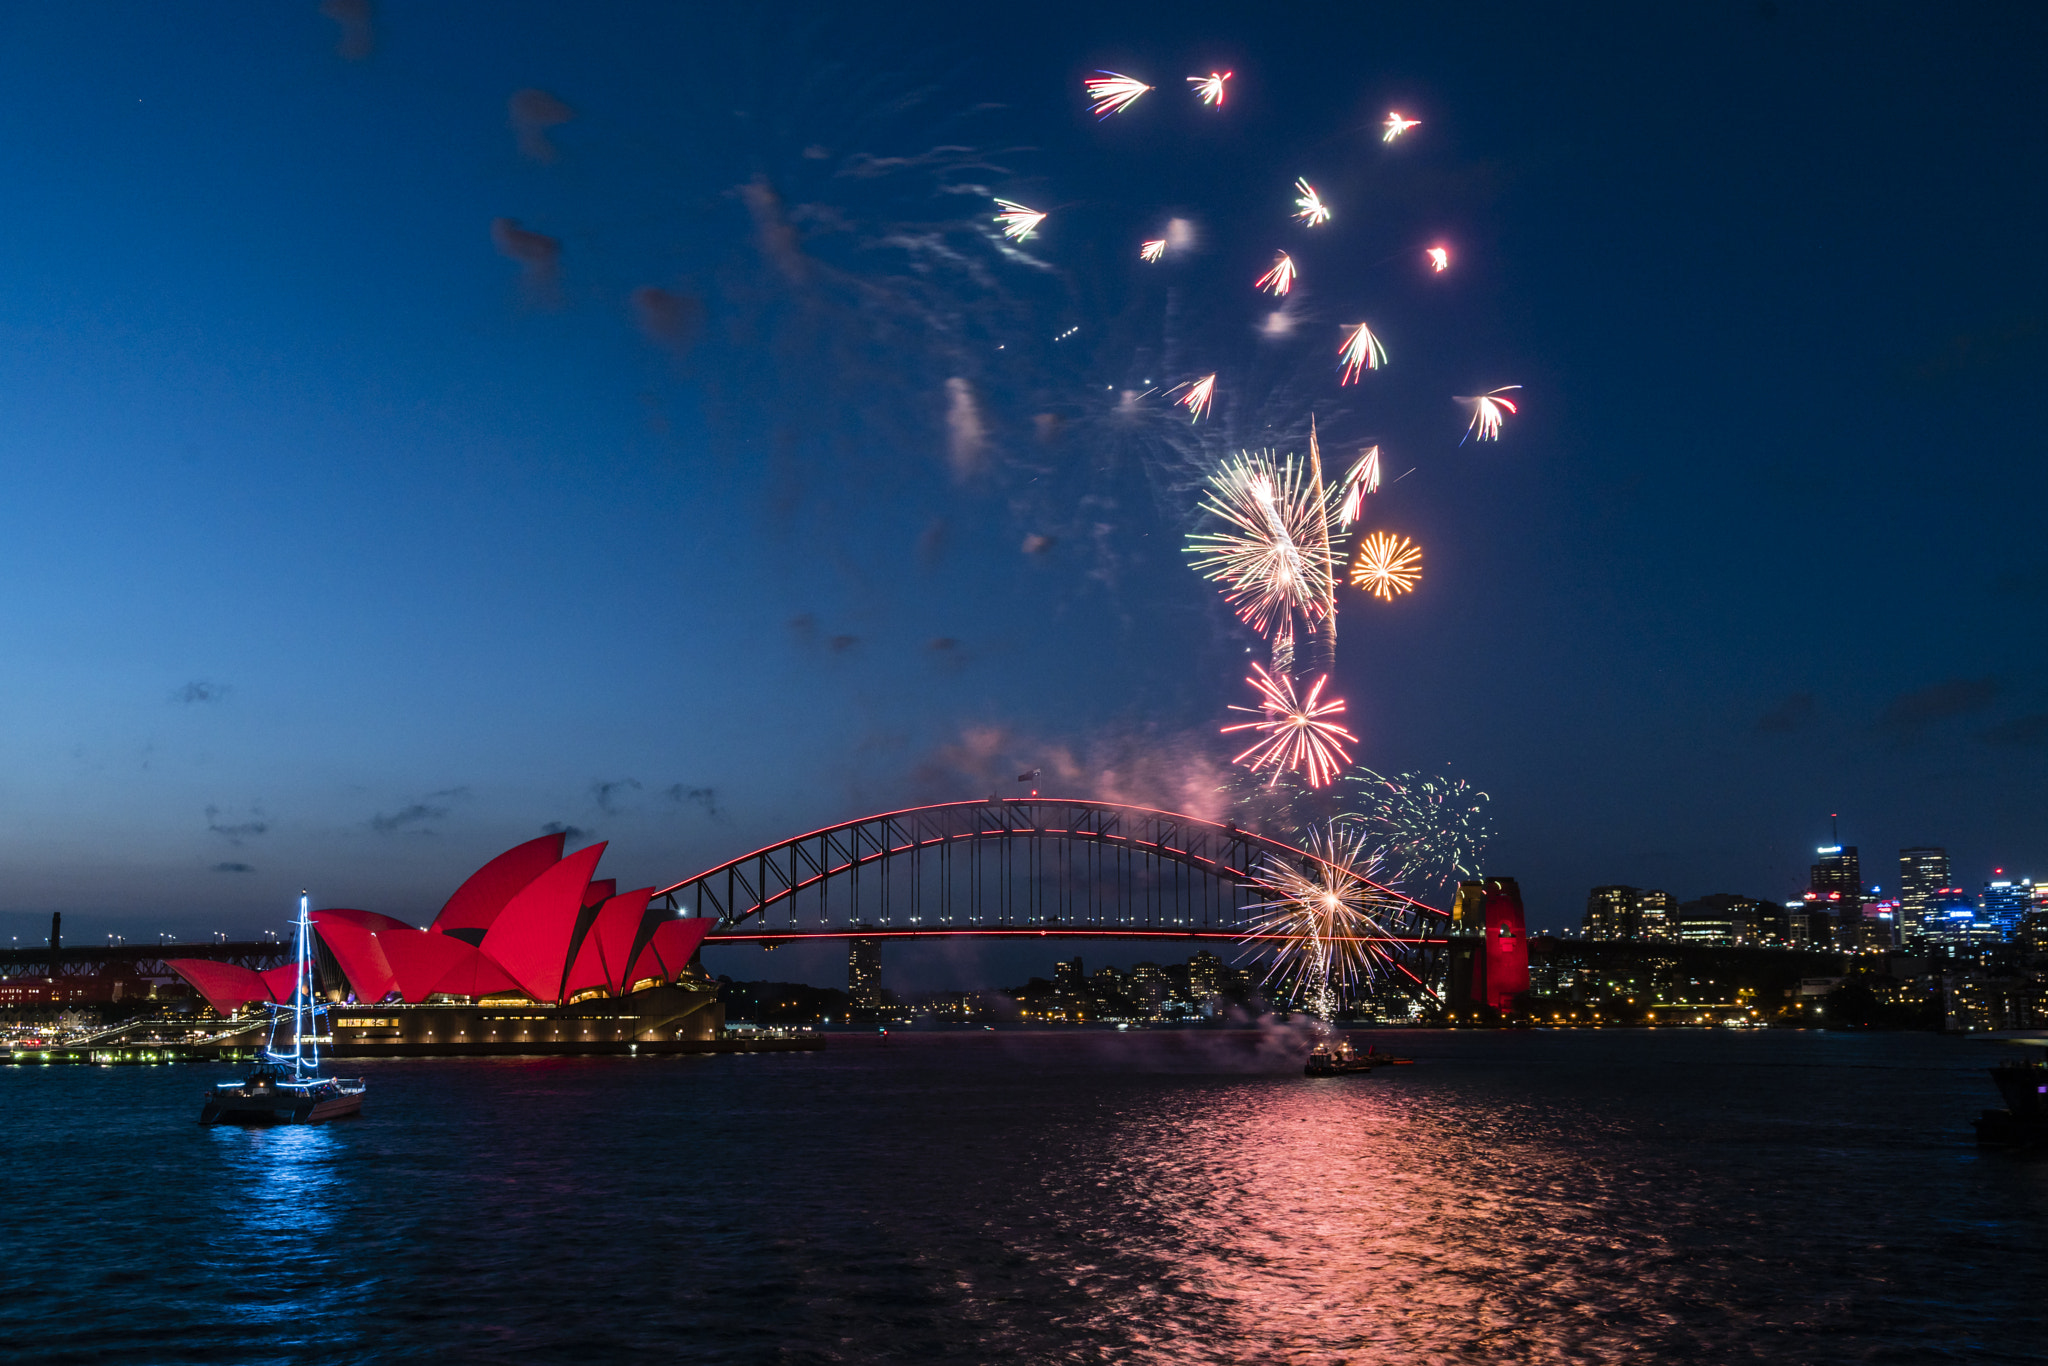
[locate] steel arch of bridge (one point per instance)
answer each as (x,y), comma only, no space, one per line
(1026,866)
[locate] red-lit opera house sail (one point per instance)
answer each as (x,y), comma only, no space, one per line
(489,889)
(226,987)
(351,936)
(668,950)
(601,960)
(530,937)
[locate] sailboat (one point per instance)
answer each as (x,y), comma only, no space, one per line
(285,1086)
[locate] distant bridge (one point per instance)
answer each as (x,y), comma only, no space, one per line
(135,960)
(1013,868)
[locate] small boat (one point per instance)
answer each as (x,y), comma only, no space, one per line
(1335,1059)
(1340,1059)
(285,1086)
(2024,1086)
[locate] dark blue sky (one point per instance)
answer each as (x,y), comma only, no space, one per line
(345,551)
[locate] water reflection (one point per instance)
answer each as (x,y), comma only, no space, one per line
(279,1197)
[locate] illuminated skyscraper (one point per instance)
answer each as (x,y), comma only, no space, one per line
(1205,971)
(1923,871)
(864,973)
(1656,916)
(1611,913)
(1838,871)
(2004,902)
(1067,976)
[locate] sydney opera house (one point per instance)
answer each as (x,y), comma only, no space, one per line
(532,954)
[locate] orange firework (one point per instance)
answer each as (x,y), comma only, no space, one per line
(1386,565)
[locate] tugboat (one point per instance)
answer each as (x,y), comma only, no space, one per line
(2024,1085)
(285,1086)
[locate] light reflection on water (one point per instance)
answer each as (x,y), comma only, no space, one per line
(1083,1198)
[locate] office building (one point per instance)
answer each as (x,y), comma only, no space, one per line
(1656,916)
(1923,871)
(1727,919)
(1611,913)
(1067,977)
(2004,902)
(864,973)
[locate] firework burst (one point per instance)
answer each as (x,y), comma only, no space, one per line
(1153,250)
(1280,278)
(1363,479)
(1361,351)
(1429,827)
(1112,93)
(1330,922)
(1387,565)
(1489,410)
(1439,259)
(1018,222)
(1269,555)
(1396,125)
(1196,399)
(1294,731)
(1309,206)
(1209,88)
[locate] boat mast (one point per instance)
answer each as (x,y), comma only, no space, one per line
(302,999)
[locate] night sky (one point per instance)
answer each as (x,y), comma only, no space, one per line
(350,540)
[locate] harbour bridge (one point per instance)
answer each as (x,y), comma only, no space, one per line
(1000,868)
(1021,868)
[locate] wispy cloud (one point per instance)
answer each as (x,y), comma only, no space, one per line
(2020,732)
(233,868)
(573,833)
(200,690)
(706,797)
(606,794)
(531,113)
(358,39)
(1909,715)
(235,832)
(413,818)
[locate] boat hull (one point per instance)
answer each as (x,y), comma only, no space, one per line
(243,1105)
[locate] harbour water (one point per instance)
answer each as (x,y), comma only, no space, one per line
(1622,1196)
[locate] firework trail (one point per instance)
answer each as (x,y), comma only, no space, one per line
(1396,125)
(1309,207)
(1153,250)
(1112,93)
(1294,732)
(1439,259)
(1280,278)
(1488,411)
(1018,222)
(1270,556)
(1209,88)
(1351,494)
(1197,398)
(1386,565)
(1429,827)
(1329,915)
(1361,351)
